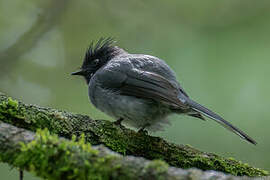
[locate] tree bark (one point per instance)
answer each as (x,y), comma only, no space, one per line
(115,137)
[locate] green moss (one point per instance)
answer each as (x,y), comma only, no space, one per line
(21,115)
(51,157)
(12,103)
(264,172)
(230,166)
(9,110)
(113,137)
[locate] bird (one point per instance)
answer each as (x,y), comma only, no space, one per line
(139,90)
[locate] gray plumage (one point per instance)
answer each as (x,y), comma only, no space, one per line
(140,89)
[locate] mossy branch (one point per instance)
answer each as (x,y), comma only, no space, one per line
(117,138)
(51,157)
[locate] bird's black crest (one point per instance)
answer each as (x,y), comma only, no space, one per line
(102,50)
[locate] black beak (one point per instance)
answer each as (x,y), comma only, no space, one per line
(79,72)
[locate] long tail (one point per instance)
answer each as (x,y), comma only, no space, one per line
(199,108)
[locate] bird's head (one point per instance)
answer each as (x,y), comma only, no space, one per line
(96,56)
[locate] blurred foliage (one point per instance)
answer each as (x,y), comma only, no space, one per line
(219,50)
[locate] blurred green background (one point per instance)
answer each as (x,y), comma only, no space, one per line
(220,51)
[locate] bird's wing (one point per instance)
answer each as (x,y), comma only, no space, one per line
(143,84)
(149,85)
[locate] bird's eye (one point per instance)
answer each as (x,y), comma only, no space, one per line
(96,62)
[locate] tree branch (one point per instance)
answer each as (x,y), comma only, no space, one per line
(117,138)
(51,157)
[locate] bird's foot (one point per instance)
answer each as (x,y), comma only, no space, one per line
(118,122)
(142,130)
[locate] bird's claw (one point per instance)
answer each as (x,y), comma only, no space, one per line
(142,130)
(118,122)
